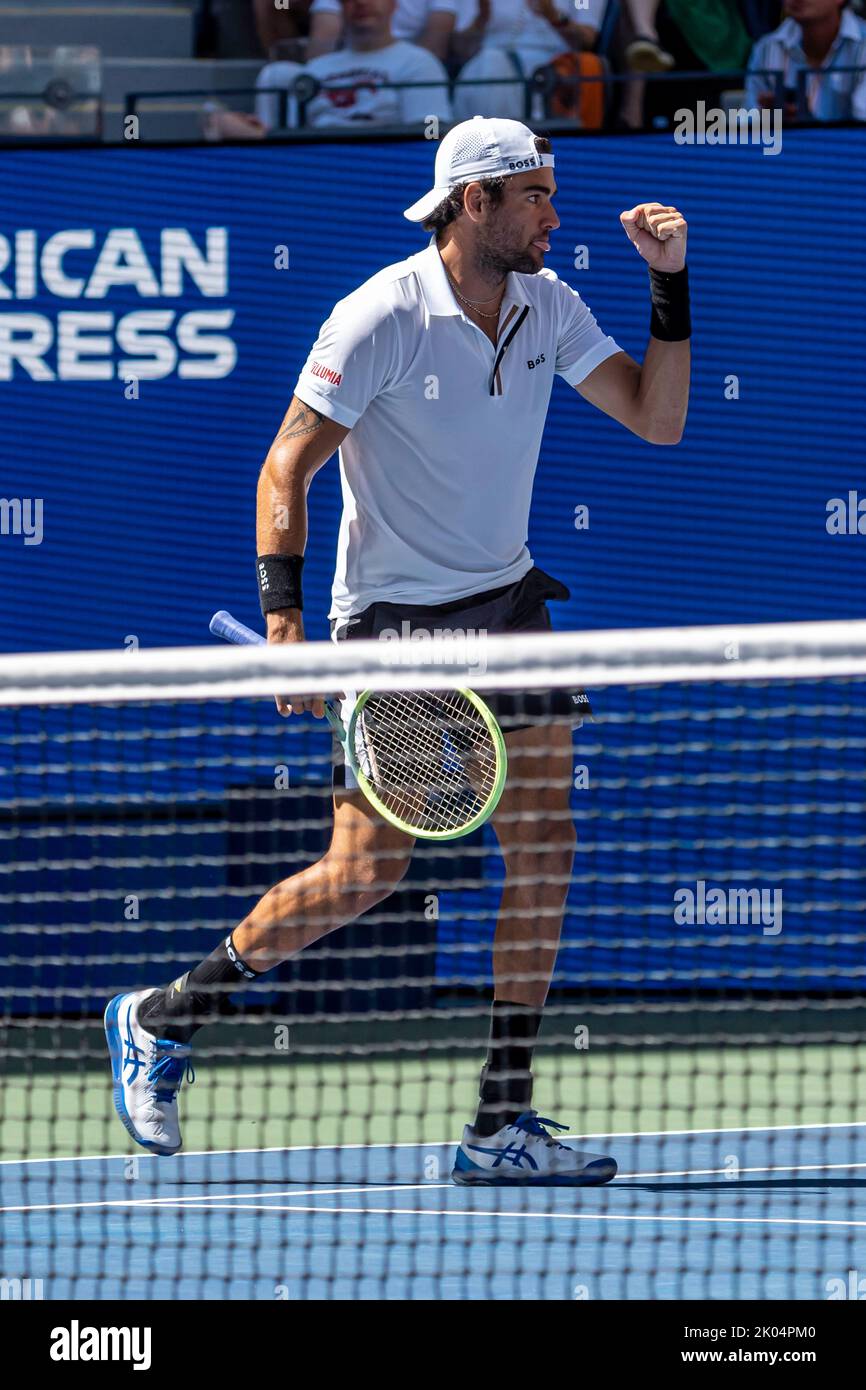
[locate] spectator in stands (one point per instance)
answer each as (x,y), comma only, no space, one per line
(761,16)
(511,38)
(714,30)
(700,36)
(278,27)
(645,53)
(354,82)
(427,23)
(817,37)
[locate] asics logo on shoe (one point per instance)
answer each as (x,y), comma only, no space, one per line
(514,1155)
(132,1056)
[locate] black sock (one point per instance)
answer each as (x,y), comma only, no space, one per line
(506,1078)
(178,1010)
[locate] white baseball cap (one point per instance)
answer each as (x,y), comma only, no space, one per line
(483,148)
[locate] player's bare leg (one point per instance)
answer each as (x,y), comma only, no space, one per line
(533,823)
(535,828)
(365,862)
(149,1031)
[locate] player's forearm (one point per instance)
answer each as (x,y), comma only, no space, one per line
(305,441)
(662,396)
(281,505)
(281,527)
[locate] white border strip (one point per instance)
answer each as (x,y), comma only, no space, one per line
(765,651)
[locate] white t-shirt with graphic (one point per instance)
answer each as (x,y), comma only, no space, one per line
(354,90)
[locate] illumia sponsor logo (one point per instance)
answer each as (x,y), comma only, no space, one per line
(703,906)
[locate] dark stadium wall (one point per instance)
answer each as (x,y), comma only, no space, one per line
(146,482)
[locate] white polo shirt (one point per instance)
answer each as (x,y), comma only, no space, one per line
(438,469)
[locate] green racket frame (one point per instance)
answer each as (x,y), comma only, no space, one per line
(347,739)
(222,624)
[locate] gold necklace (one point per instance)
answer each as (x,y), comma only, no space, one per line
(473,304)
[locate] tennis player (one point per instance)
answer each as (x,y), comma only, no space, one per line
(433,380)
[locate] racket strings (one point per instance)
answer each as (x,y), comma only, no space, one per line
(429,756)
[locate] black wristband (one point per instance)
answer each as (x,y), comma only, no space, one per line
(671,319)
(279,579)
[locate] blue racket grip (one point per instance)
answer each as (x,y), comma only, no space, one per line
(222,624)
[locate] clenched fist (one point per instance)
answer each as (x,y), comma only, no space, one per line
(659,234)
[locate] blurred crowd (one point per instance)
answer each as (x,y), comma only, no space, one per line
(595,62)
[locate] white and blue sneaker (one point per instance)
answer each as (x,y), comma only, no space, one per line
(147,1073)
(525,1153)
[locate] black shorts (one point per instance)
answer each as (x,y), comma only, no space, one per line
(519,607)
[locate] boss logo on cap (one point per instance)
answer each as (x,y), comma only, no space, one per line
(523,163)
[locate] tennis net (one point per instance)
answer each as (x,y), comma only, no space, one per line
(703,1027)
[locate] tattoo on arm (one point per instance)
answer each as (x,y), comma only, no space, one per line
(302,421)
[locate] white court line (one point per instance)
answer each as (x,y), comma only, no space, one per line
(181,1203)
(775,1168)
(555,1215)
(220,1204)
(435,1143)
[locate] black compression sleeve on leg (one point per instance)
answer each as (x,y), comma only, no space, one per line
(201,995)
(506,1080)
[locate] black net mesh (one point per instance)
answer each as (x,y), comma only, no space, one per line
(703,1025)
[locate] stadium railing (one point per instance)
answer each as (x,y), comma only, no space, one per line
(536,87)
(192,103)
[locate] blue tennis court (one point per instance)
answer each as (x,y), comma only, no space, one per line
(726,1214)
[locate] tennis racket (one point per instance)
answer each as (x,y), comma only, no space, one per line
(431,762)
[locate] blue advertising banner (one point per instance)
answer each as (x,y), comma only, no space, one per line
(156,306)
